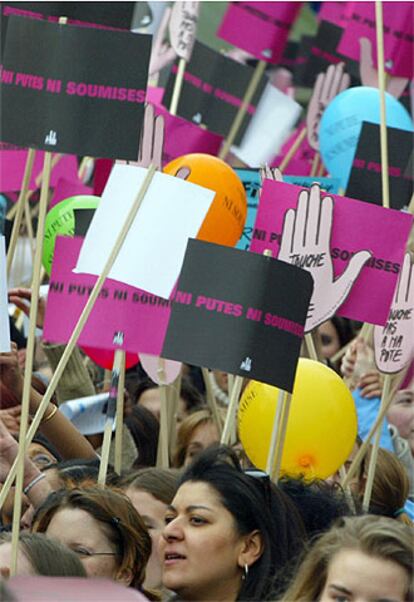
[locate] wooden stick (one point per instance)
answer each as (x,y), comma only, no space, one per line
(310,344)
(315,164)
(29,228)
(83,167)
(119,413)
(20,207)
(238,120)
(282,437)
(292,151)
(211,400)
(27,381)
(111,414)
(173,397)
(231,410)
(374,453)
(356,462)
(364,333)
(178,84)
(383,122)
(79,326)
(163,446)
(230,383)
(275,433)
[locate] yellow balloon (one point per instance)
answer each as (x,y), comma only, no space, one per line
(321,429)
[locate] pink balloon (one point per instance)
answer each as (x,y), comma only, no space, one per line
(152,364)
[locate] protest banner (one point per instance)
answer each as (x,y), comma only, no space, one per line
(398,35)
(55,104)
(87,413)
(394,343)
(365,177)
(252,185)
(4,314)
(368,297)
(260,28)
(246,323)
(213,90)
(173,210)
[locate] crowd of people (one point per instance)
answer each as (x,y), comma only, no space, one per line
(213,526)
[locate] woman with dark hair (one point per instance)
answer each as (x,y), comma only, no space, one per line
(102,527)
(144,429)
(147,395)
(229,534)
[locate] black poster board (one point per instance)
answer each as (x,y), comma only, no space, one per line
(213,88)
(111,14)
(242,312)
(365,178)
(73,89)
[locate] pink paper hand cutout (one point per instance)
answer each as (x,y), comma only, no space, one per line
(306,243)
(394,342)
(270,173)
(183,27)
(327,86)
(151,142)
(369,75)
(162,54)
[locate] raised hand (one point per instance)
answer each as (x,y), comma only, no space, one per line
(394,342)
(10,375)
(369,75)
(22,297)
(327,86)
(270,173)
(183,27)
(162,54)
(306,243)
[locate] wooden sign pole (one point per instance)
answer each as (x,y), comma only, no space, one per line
(231,411)
(163,446)
(241,113)
(211,400)
(283,428)
(79,326)
(119,412)
(275,433)
(178,84)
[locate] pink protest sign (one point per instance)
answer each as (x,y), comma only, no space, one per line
(364,252)
(123,317)
(333,12)
(12,164)
(260,28)
(398,20)
(161,371)
(67,188)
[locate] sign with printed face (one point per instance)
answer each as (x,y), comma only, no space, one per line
(355,267)
(56,104)
(213,89)
(365,178)
(242,313)
(260,28)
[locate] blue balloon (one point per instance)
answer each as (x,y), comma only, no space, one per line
(341,125)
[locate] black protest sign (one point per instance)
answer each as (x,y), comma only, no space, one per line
(213,89)
(73,89)
(365,179)
(242,312)
(83,218)
(110,14)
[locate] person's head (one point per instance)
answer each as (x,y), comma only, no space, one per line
(390,487)
(334,334)
(196,432)
(401,415)
(151,490)
(71,472)
(227,533)
(42,453)
(144,428)
(102,527)
(148,395)
(366,558)
(319,503)
(38,555)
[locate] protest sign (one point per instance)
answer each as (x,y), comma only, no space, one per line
(252,185)
(51,103)
(12,163)
(369,297)
(394,343)
(160,371)
(4,314)
(260,28)
(83,218)
(275,117)
(171,212)
(110,14)
(365,177)
(182,27)
(87,414)
(250,325)
(398,19)
(68,188)
(123,317)
(213,89)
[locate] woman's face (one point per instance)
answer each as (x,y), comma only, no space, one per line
(353,576)
(40,455)
(200,548)
(151,400)
(401,415)
(80,532)
(203,436)
(152,512)
(329,339)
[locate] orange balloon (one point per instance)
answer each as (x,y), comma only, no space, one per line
(225,220)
